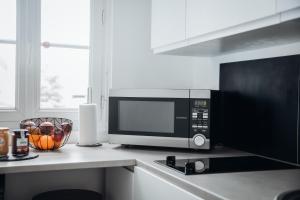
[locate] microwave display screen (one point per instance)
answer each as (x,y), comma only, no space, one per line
(147,116)
(201,103)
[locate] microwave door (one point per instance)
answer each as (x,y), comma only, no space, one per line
(149,117)
(146,116)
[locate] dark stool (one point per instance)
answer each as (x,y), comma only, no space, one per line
(72,194)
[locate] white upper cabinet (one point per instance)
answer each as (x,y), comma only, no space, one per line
(205,16)
(168,22)
(284,5)
(215,27)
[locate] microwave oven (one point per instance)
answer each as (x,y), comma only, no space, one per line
(163,117)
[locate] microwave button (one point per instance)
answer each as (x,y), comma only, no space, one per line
(199,140)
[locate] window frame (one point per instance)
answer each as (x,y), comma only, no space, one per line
(16,113)
(11,110)
(28,67)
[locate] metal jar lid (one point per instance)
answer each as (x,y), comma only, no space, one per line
(4,129)
(20,130)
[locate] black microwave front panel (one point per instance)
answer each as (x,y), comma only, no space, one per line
(200,117)
(163,117)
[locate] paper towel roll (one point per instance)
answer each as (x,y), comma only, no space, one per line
(87,124)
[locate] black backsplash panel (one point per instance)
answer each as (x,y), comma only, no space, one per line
(261,99)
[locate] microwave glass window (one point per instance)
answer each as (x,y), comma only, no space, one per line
(147,116)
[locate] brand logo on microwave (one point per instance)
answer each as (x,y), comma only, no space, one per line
(181,117)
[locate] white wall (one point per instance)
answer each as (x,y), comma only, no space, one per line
(23,186)
(135,66)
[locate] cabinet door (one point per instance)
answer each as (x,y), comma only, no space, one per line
(168,22)
(148,186)
(283,5)
(118,184)
(204,16)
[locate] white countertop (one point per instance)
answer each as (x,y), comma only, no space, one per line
(263,185)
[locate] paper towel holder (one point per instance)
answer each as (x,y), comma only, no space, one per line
(89,101)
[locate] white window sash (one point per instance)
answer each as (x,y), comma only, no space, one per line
(95,66)
(28,68)
(71,46)
(11,115)
(7,41)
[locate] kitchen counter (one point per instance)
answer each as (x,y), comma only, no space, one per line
(73,157)
(263,185)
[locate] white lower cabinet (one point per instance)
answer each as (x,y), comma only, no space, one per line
(118,184)
(124,184)
(148,186)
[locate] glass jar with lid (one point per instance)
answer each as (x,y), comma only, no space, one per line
(20,144)
(4,132)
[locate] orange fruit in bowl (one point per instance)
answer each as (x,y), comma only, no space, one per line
(34,139)
(45,143)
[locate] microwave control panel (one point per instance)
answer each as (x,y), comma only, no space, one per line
(200,117)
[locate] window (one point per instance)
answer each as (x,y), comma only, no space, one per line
(7,53)
(65,31)
(47,60)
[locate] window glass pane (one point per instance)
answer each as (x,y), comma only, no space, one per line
(7,75)
(64,73)
(8,19)
(66,22)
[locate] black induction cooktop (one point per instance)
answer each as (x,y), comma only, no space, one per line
(214,165)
